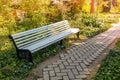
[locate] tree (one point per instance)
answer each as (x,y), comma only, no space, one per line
(114,3)
(92,9)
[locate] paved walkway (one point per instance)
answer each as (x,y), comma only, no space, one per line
(73,63)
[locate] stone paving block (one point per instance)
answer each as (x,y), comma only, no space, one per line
(61,74)
(91,58)
(78,79)
(86,63)
(61,66)
(88,60)
(47,69)
(46,77)
(59,78)
(71,50)
(70,67)
(67,51)
(72,58)
(70,75)
(83,65)
(65,63)
(75,71)
(40,79)
(60,61)
(56,63)
(76,56)
(52,73)
(74,64)
(62,55)
(96,54)
(69,60)
(45,73)
(56,78)
(57,69)
(81,76)
(53,78)
(82,52)
(65,70)
(79,68)
(65,78)
(84,72)
(79,55)
(51,66)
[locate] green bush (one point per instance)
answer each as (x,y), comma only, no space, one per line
(89,24)
(91,20)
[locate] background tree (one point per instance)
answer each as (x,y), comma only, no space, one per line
(107,6)
(92,9)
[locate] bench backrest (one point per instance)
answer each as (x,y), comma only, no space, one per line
(27,38)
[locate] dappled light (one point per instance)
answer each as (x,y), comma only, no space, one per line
(47,27)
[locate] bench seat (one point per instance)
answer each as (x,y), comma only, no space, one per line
(50,40)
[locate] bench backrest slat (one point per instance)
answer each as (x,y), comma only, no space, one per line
(30,37)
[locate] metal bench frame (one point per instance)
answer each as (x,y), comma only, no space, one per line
(30,41)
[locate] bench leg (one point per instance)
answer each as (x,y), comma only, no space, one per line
(29,56)
(25,54)
(61,43)
(78,35)
(18,55)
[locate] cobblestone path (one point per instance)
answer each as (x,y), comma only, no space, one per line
(73,63)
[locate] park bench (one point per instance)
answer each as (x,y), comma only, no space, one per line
(30,41)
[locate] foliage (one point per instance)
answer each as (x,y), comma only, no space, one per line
(38,13)
(90,20)
(110,67)
(92,24)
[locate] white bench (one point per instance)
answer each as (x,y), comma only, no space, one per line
(30,41)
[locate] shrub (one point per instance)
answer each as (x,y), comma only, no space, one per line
(110,67)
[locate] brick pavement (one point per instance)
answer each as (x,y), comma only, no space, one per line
(73,63)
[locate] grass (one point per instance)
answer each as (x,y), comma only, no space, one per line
(110,67)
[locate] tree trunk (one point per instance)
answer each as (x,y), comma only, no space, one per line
(92,6)
(108,7)
(114,3)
